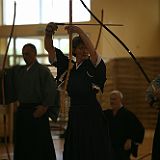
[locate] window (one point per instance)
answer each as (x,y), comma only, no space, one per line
(27,12)
(44,11)
(15,54)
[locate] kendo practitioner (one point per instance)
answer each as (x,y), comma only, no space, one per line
(86,136)
(126,131)
(34,88)
(153,98)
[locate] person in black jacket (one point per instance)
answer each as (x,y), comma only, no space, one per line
(86,136)
(34,87)
(153,98)
(125,129)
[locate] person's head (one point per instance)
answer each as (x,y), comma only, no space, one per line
(116,98)
(78,48)
(29,53)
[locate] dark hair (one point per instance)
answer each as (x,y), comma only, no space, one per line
(31,46)
(76,41)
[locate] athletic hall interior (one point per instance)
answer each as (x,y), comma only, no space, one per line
(126,35)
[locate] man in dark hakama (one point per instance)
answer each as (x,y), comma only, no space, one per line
(34,87)
(125,129)
(86,136)
(153,98)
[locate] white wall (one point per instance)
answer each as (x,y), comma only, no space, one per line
(141,30)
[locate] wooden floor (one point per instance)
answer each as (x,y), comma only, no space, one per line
(58,143)
(144,148)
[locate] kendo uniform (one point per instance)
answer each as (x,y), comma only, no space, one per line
(124,125)
(155,103)
(86,136)
(32,87)
(156,141)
